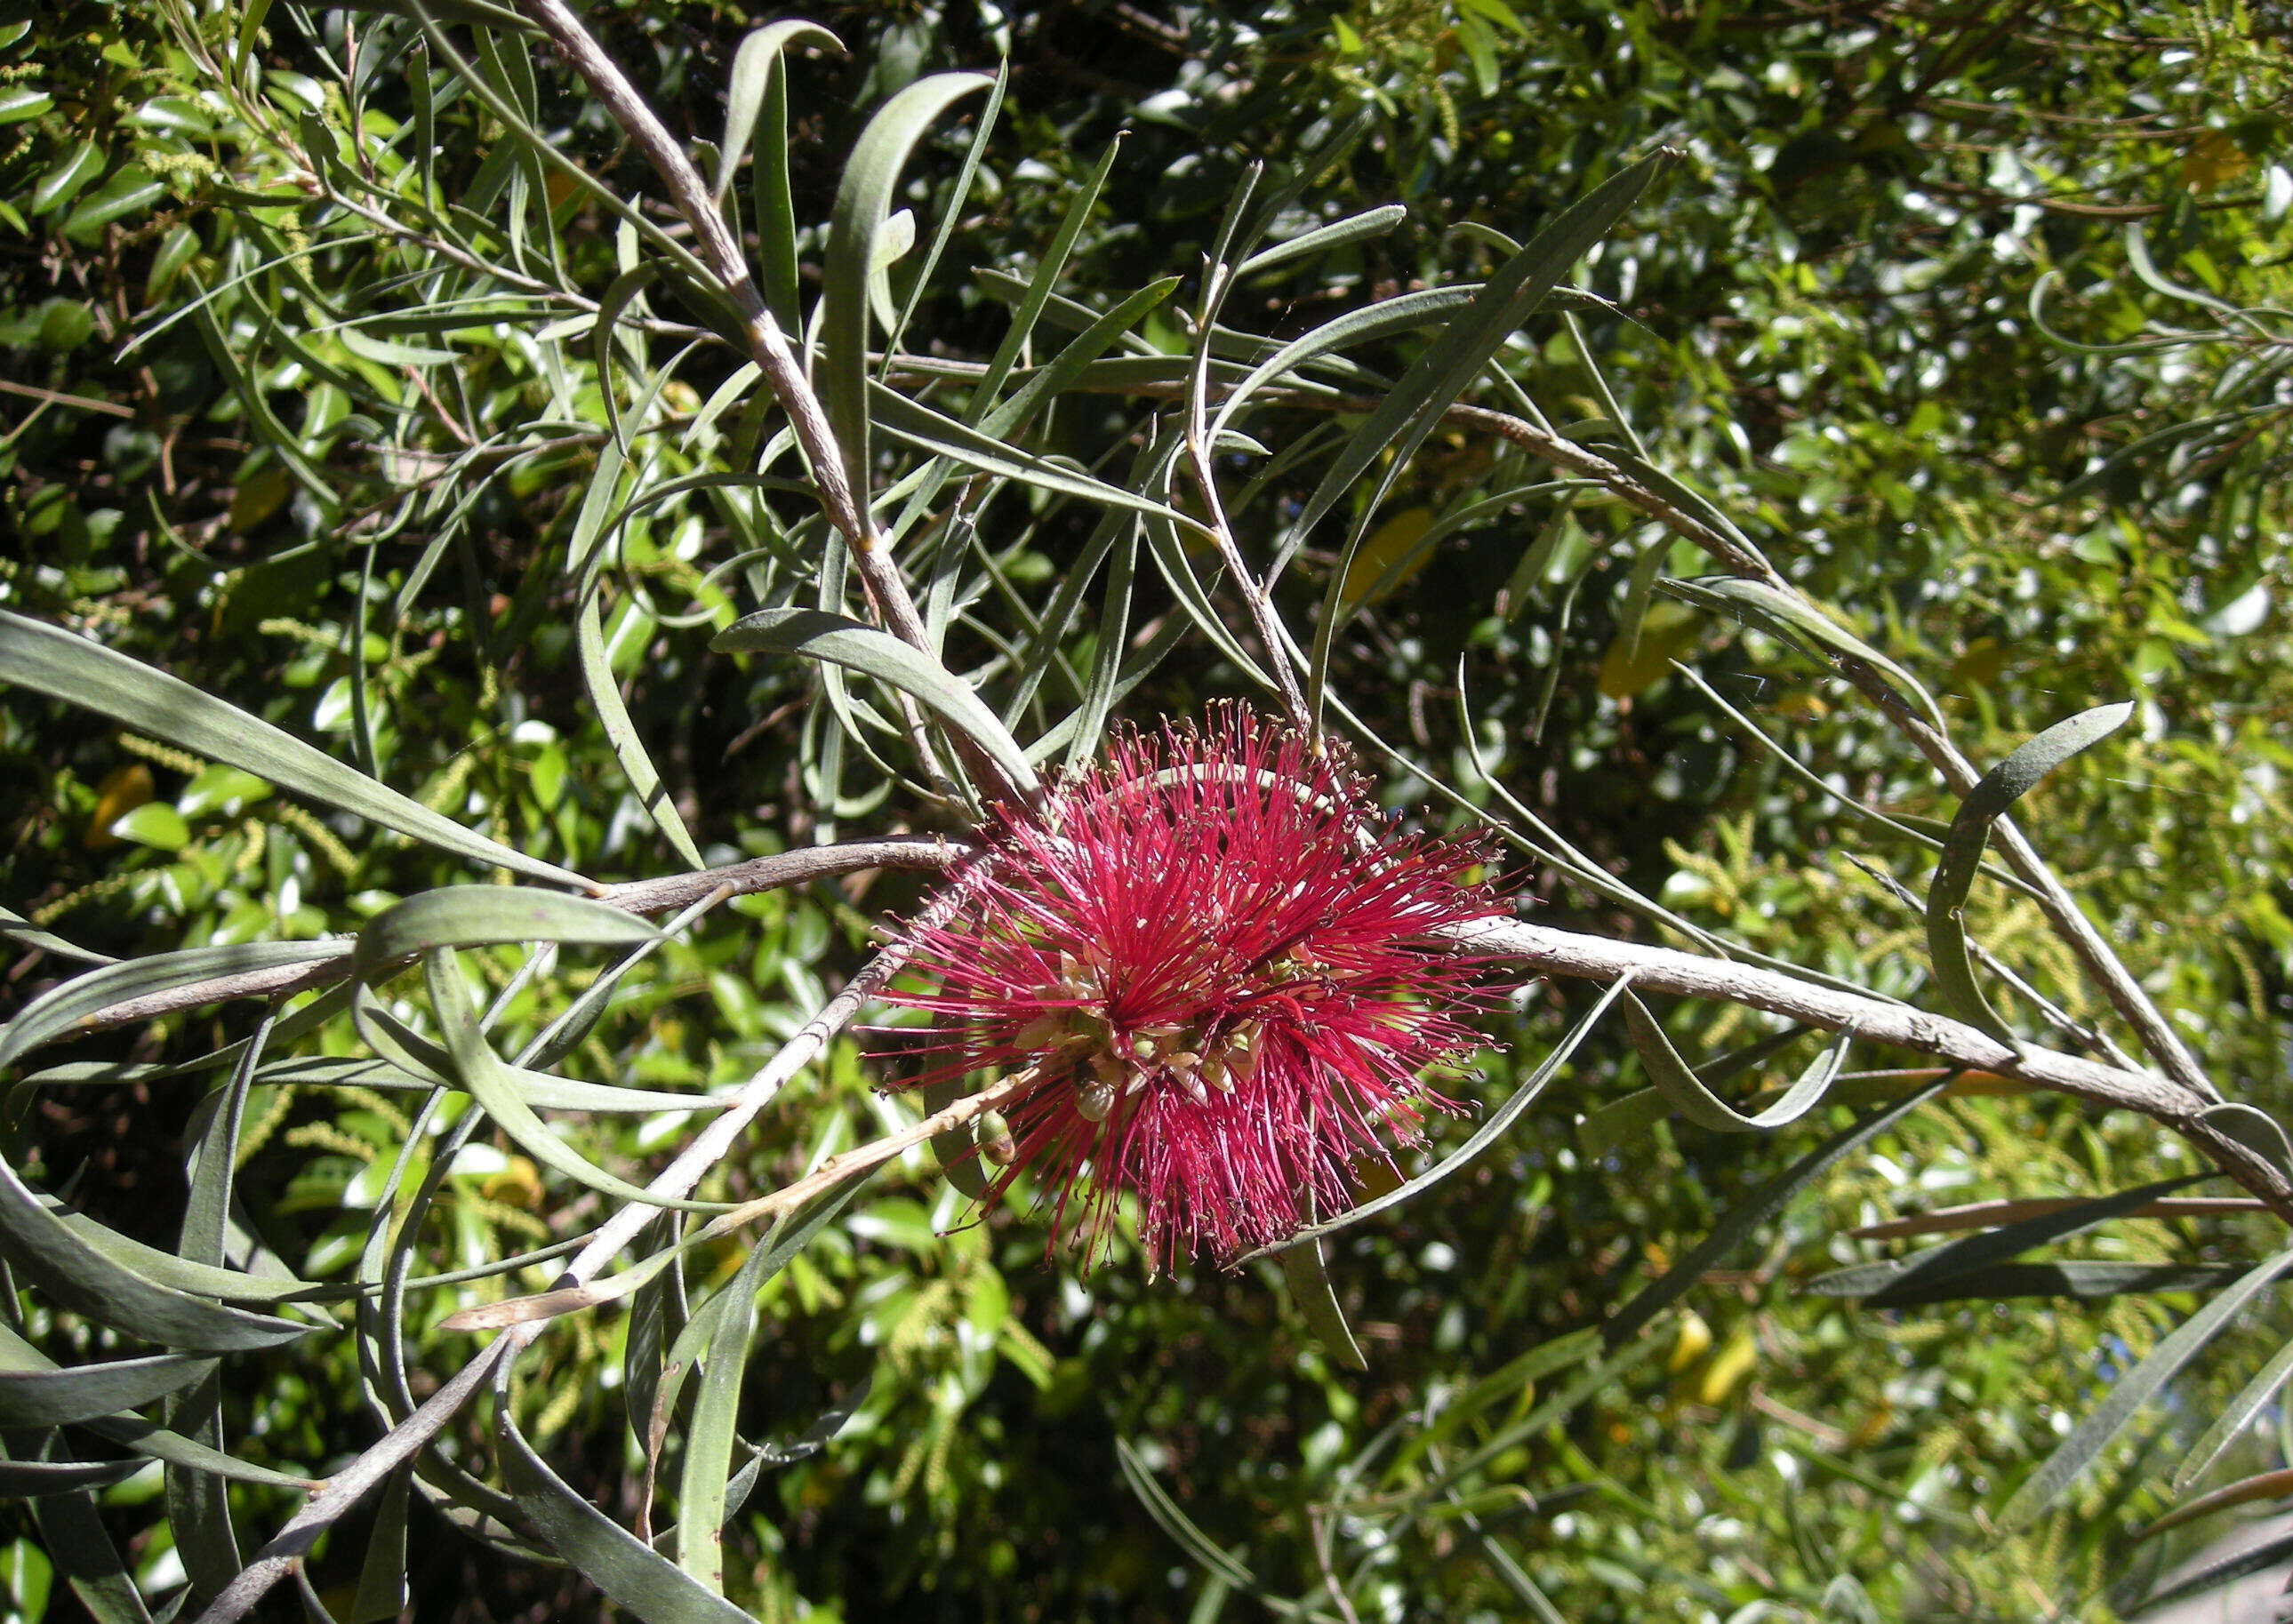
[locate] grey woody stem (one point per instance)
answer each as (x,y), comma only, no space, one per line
(1654,969)
(768,346)
(660,896)
(2126,994)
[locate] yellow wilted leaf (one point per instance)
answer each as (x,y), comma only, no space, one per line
(1978,666)
(1729,1365)
(518,1185)
(257,496)
(2214,159)
(122,791)
(1387,546)
(1688,1347)
(1667,632)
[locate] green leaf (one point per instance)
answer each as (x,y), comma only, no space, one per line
(817,634)
(605,1553)
(2254,1128)
(1941,1263)
(63,1010)
(2234,1418)
(1688,1094)
(1962,855)
(499,1089)
(72,1533)
(2130,1392)
(863,203)
(1484,1136)
(1321,239)
(755,65)
(941,435)
(1408,413)
(1784,615)
(2085,1282)
(16,928)
(381,1590)
(731,1317)
(19,102)
(76,1392)
(1749,1214)
(130,192)
(484,916)
(1308,1278)
(1175,1522)
(154,824)
(621,734)
(61,183)
(53,661)
(24,1479)
(50,1256)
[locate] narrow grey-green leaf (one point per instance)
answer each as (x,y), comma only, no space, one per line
(72,1533)
(1941,1263)
(621,733)
(1689,1096)
(2234,1418)
(1308,1277)
(495,1086)
(709,1437)
(610,1557)
(941,435)
(382,1591)
(2082,1282)
(755,65)
(1787,616)
(1176,1522)
(864,202)
(1484,1136)
(26,1479)
(1407,413)
(481,916)
(16,928)
(842,640)
(61,1011)
(1405,312)
(1754,1210)
(54,662)
(2254,1128)
(2130,1392)
(49,1256)
(1962,855)
(75,1393)
(1337,234)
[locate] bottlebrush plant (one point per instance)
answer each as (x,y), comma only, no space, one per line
(1189,989)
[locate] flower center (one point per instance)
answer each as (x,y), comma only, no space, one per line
(1106,1061)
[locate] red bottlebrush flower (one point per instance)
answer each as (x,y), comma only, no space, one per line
(1227,977)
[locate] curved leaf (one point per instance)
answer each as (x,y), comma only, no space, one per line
(481,916)
(844,642)
(2130,1392)
(73,1274)
(755,65)
(495,1086)
(75,1393)
(62,1010)
(1961,854)
(1487,1135)
(1686,1091)
(864,202)
(610,1557)
(56,663)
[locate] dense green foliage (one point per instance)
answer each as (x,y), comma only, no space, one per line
(1968,316)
